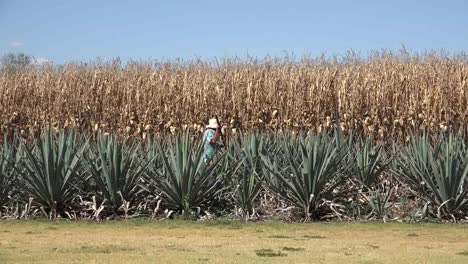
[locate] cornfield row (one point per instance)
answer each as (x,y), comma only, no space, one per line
(384,96)
(65,174)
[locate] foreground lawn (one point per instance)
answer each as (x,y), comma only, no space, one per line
(224,242)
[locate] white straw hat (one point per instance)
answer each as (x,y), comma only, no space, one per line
(212,123)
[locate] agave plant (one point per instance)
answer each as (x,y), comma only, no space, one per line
(369,161)
(379,201)
(50,166)
(438,173)
(116,166)
(250,173)
(310,179)
(185,180)
(9,159)
(155,164)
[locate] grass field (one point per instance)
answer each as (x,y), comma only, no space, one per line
(224,242)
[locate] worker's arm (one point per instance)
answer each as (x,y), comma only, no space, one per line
(216,136)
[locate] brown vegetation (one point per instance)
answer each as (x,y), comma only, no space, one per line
(383,95)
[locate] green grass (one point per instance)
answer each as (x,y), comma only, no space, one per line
(313,237)
(230,242)
(293,249)
(268,252)
(279,236)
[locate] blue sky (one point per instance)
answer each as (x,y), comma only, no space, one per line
(83,30)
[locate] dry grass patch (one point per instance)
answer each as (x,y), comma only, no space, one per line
(198,242)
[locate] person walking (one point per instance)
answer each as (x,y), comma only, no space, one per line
(212,139)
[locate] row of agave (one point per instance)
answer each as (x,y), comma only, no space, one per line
(65,174)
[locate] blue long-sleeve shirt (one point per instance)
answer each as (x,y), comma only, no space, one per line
(210,148)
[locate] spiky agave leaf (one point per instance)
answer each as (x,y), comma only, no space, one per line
(186,181)
(438,173)
(155,165)
(116,166)
(9,158)
(368,162)
(379,201)
(49,167)
(248,183)
(306,181)
(227,166)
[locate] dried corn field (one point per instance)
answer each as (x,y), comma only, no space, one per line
(384,95)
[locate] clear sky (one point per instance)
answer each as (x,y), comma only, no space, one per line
(84,29)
